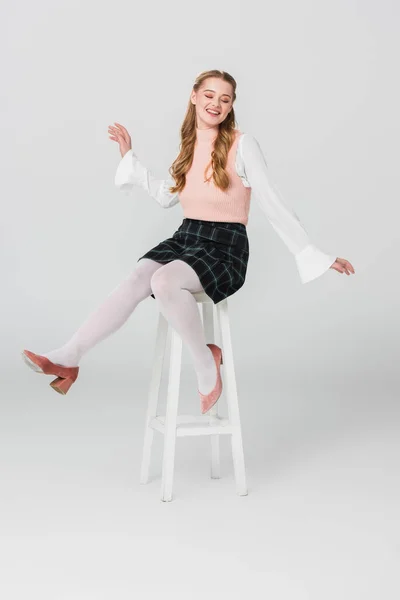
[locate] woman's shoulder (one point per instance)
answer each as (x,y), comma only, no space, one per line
(248,144)
(245,139)
(238,133)
(244,134)
(248,149)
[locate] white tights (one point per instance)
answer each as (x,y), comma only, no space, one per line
(172,285)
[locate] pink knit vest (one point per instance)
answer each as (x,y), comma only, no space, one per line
(204,200)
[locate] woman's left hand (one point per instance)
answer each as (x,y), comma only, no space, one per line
(342,266)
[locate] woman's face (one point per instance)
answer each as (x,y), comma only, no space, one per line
(215,95)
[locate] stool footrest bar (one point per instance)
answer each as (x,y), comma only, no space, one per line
(194,425)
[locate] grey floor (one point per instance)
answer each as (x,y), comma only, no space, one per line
(321,520)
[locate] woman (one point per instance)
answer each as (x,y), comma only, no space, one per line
(217,169)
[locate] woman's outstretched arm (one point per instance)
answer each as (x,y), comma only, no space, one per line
(311,262)
(131,172)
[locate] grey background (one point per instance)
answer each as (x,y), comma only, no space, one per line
(315,364)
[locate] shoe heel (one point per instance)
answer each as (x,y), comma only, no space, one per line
(62,385)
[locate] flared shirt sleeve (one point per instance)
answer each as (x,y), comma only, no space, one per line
(131,172)
(311,261)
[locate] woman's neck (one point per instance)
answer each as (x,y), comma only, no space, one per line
(207,135)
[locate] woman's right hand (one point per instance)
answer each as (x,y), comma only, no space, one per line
(119,134)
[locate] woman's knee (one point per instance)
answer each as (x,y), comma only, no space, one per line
(162,283)
(138,281)
(173,276)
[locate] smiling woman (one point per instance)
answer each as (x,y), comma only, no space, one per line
(213,177)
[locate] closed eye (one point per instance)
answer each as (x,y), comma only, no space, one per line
(226,101)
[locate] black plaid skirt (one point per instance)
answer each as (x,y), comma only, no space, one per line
(217,250)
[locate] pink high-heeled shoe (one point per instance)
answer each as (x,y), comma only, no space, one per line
(40,364)
(208,400)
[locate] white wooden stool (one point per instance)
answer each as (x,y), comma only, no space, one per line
(215,320)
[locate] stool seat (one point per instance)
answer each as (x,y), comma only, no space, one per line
(216,325)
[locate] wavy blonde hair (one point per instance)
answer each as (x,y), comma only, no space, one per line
(222,143)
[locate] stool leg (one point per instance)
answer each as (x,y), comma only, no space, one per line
(211,331)
(171,414)
(232,399)
(153,396)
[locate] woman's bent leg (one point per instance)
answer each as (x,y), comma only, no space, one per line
(172,286)
(109,316)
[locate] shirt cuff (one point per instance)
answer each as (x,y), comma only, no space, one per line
(124,173)
(312,263)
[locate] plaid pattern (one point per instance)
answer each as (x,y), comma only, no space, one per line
(218,252)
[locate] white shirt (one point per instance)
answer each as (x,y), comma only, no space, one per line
(252,168)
